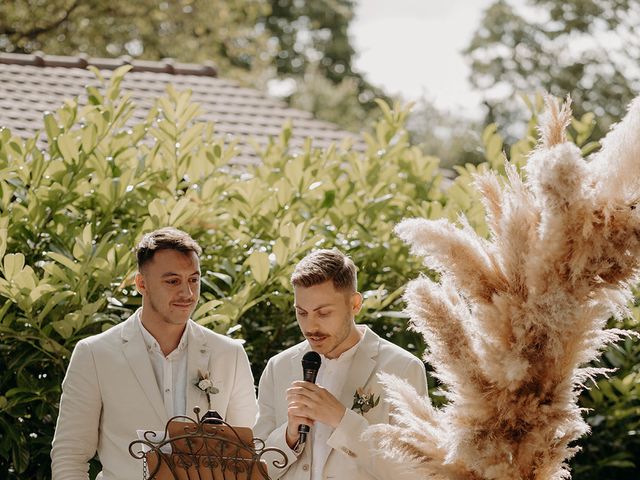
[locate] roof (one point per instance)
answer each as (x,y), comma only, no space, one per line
(33,84)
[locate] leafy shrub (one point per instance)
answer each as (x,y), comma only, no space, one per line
(613,448)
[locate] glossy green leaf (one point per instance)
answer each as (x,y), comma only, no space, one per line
(51,126)
(65,261)
(68,147)
(13,263)
(3,241)
(259,264)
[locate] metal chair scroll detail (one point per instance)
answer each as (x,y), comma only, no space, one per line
(197,449)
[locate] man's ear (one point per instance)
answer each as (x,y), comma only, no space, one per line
(140,285)
(356,302)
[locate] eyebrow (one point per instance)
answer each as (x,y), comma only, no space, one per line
(324,305)
(173,274)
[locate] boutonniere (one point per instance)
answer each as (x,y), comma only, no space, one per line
(364,400)
(205,384)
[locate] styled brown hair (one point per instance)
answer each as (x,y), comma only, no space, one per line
(322,265)
(167,238)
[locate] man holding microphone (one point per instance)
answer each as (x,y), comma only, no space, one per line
(347,396)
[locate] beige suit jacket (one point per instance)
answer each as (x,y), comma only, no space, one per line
(350,456)
(110,391)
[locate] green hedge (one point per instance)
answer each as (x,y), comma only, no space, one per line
(70,216)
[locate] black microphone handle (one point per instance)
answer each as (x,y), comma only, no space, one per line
(309,375)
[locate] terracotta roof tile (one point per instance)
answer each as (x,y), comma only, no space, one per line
(33,84)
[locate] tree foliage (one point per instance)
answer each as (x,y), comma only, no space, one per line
(312,33)
(224,32)
(448,135)
(586,48)
(315,49)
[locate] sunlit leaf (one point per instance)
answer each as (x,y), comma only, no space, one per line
(259,264)
(68,147)
(13,263)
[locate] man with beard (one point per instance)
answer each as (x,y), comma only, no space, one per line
(347,396)
(149,368)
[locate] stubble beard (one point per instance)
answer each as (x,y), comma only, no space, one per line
(344,335)
(165,318)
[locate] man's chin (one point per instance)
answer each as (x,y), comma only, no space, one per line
(323,348)
(178,318)
(183,312)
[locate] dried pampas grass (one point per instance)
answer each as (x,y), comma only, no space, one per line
(513,320)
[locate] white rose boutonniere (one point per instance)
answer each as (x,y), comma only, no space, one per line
(205,384)
(364,400)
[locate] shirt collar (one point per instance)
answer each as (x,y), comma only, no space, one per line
(152,344)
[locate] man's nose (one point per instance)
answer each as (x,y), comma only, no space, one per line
(313,323)
(189,289)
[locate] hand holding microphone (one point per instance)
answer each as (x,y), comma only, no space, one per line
(310,366)
(310,403)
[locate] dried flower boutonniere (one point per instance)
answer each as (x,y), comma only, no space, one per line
(205,384)
(364,400)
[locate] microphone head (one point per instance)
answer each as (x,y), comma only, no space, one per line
(311,361)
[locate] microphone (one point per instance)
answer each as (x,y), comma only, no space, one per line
(310,366)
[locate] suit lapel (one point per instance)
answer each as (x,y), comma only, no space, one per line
(136,354)
(361,368)
(296,361)
(363,365)
(198,360)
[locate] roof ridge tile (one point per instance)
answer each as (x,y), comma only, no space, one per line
(166,65)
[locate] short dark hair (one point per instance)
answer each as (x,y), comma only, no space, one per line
(167,238)
(322,265)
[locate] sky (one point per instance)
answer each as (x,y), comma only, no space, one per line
(413,48)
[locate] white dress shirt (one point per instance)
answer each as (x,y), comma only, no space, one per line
(170,371)
(332,375)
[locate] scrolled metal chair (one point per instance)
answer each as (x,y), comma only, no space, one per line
(198,449)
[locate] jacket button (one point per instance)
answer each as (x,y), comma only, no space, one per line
(348,452)
(305,467)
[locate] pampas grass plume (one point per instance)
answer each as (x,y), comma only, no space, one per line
(513,320)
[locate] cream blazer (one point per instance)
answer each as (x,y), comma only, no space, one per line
(110,391)
(350,456)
